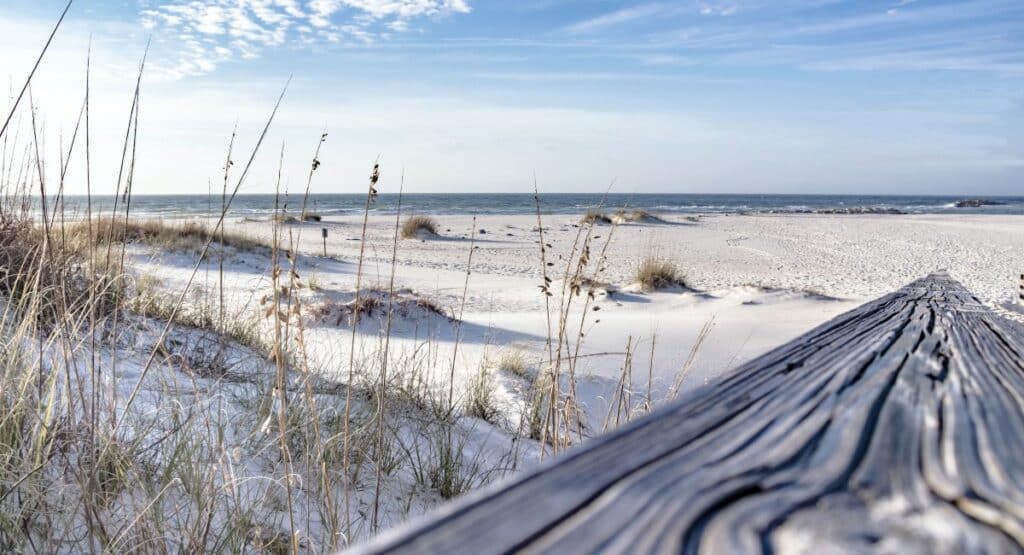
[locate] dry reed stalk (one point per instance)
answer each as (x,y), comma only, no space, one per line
(458,320)
(310,399)
(702,336)
(371,197)
(32,73)
(280,391)
(313,166)
(223,206)
(551,417)
(620,402)
(381,407)
(579,280)
(546,286)
(648,402)
(571,287)
(626,393)
(132,124)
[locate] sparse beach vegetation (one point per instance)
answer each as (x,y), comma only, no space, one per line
(591,217)
(635,216)
(419,227)
(514,361)
(653,274)
(188,236)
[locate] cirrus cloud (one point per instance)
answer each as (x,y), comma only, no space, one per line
(206,33)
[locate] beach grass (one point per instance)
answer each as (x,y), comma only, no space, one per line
(419,226)
(188,236)
(591,217)
(654,273)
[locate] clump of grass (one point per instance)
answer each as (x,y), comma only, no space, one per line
(426,305)
(657,273)
(375,303)
(513,361)
(365,305)
(309,217)
(190,236)
(480,397)
(595,217)
(634,216)
(418,227)
(35,269)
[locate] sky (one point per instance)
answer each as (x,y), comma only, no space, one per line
(683,96)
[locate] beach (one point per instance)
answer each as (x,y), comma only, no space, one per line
(752,282)
(387,371)
(302,276)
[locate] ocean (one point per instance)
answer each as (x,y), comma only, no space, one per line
(185,206)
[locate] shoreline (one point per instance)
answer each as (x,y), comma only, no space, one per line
(513,204)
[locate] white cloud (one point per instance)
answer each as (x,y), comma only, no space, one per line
(718,8)
(221,30)
(618,17)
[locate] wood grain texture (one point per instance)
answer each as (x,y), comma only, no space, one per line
(897,427)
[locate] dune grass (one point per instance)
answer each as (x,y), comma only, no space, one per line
(514,361)
(638,215)
(187,236)
(480,396)
(654,273)
(595,217)
(418,226)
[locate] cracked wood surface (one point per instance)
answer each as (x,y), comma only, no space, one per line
(897,427)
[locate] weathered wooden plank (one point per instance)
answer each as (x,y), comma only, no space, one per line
(897,427)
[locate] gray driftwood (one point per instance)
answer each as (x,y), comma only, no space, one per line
(895,428)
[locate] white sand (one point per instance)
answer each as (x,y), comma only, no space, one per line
(855,257)
(757,281)
(762,281)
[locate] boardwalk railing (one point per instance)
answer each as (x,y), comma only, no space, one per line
(897,427)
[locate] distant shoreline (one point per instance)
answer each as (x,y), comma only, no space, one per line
(564,203)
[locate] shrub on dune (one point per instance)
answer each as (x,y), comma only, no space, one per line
(513,361)
(654,273)
(595,217)
(190,236)
(635,216)
(419,227)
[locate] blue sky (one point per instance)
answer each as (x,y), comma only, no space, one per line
(773,96)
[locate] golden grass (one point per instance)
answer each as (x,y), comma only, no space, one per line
(417,226)
(513,361)
(634,216)
(595,217)
(657,273)
(189,236)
